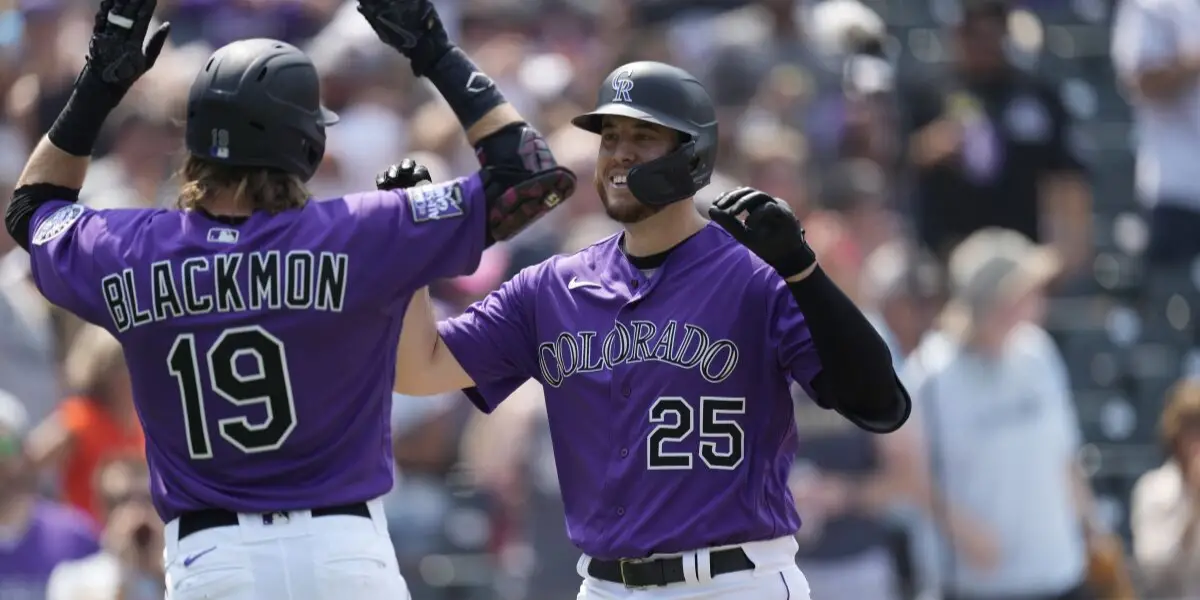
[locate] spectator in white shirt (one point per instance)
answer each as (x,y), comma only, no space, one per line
(1156,53)
(991,395)
(1166,503)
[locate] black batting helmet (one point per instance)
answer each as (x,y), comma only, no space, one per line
(257,103)
(669,96)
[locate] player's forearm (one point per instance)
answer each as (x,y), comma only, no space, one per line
(50,174)
(496,119)
(50,164)
(62,156)
(479,105)
(424,365)
(430,372)
(856,364)
(418,341)
(522,181)
(500,135)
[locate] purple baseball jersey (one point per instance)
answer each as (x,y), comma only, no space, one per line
(55,534)
(667,394)
(262,353)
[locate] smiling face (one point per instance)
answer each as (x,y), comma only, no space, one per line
(624,144)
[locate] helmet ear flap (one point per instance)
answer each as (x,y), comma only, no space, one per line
(315,154)
(665,180)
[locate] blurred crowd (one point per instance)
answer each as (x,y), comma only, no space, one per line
(964,169)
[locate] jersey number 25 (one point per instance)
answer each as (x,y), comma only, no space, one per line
(270,385)
(722,440)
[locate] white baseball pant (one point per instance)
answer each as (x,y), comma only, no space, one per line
(775,577)
(299,557)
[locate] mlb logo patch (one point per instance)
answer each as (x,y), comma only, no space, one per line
(435,202)
(220,235)
(57,223)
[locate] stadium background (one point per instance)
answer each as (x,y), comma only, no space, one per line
(475,514)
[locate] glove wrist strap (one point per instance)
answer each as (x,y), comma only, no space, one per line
(468,91)
(78,126)
(796,264)
(428,52)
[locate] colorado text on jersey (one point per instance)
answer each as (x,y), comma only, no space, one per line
(640,341)
(232,282)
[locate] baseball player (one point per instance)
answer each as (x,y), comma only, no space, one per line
(665,352)
(260,327)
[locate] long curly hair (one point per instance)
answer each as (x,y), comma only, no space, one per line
(266,189)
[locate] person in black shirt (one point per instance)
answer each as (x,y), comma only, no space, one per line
(989,145)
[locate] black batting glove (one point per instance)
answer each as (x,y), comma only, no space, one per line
(412,27)
(769,229)
(407,173)
(120,53)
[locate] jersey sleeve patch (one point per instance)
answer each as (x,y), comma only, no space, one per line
(436,202)
(57,223)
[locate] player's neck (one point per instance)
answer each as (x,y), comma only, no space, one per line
(226,204)
(663,230)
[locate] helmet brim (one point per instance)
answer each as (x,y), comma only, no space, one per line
(328,117)
(594,121)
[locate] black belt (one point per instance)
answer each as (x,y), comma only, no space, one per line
(658,572)
(195,521)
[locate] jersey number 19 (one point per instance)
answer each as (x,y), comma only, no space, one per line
(270,385)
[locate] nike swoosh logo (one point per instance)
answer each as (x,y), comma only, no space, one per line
(187,562)
(575,284)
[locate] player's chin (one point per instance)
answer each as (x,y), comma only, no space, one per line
(622,207)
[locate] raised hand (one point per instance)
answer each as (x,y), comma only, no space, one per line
(405,174)
(120,53)
(770,229)
(412,27)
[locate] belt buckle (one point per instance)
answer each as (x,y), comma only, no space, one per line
(632,561)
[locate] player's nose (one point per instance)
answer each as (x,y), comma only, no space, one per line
(625,153)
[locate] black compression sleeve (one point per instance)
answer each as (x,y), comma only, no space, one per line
(78,126)
(25,202)
(856,363)
(468,91)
